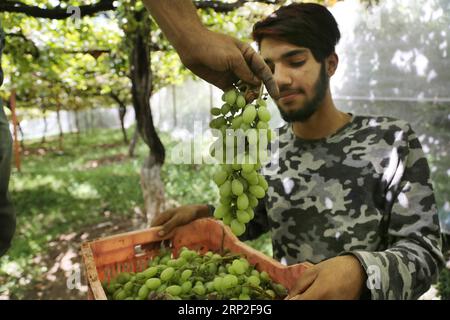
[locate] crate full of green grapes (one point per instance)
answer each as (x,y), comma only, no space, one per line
(201,260)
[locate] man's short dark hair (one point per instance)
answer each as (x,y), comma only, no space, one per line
(308,25)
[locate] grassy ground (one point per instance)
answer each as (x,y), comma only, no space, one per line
(90,189)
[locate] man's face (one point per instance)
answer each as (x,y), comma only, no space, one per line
(303,82)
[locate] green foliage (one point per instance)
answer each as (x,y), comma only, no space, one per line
(444,284)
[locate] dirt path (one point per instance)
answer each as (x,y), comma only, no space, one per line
(65,279)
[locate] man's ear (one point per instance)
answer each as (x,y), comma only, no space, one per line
(332,64)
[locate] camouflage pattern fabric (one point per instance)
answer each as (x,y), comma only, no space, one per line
(364,191)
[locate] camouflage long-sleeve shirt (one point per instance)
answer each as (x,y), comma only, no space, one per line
(365,191)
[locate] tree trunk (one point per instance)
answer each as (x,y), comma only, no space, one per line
(133,142)
(141,78)
(122,112)
(45,127)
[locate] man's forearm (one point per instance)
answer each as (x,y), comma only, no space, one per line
(176,18)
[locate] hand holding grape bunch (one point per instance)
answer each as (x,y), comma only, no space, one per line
(240,184)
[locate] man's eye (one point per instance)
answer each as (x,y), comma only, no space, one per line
(297,64)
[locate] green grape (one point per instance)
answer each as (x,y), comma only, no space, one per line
(186,275)
(280,289)
(199,290)
(123,278)
(262,103)
(140,276)
(249,114)
(231,270)
(264,276)
(219,122)
(262,125)
(186,287)
(257,191)
(121,295)
(174,290)
(220,177)
(245,262)
(128,287)
(221,211)
(244,183)
(251,213)
(161,288)
(264,114)
(210,286)
(215,111)
(242,216)
(253,280)
(229,281)
(236,166)
(244,296)
(213,124)
(225,189)
(237,227)
(225,108)
(186,254)
(271,293)
(252,200)
(242,202)
(263,182)
(165,259)
(212,268)
(236,123)
(172,263)
(230,97)
(251,177)
(247,168)
(245,127)
(236,187)
(167,274)
(239,267)
(150,272)
(270,135)
(227,219)
(252,136)
(153,283)
(225,200)
(143,292)
(240,101)
(218,283)
(227,168)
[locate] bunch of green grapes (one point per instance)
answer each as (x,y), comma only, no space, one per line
(245,132)
(192,276)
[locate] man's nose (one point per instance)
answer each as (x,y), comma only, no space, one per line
(282,77)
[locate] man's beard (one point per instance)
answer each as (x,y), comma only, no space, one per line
(312,105)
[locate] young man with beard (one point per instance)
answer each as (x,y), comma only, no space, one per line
(352,194)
